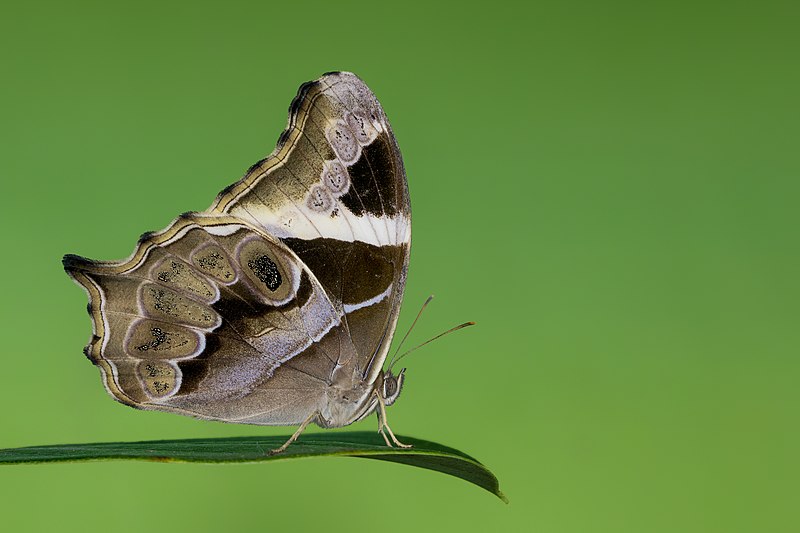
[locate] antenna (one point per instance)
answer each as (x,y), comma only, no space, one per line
(391,361)
(395,359)
(451,330)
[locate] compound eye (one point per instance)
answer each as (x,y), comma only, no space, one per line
(392,386)
(389,387)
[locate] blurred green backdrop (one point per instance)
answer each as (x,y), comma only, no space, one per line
(609,189)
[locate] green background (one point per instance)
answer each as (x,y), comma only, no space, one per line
(610,190)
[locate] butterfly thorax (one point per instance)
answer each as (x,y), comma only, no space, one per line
(348,404)
(345,405)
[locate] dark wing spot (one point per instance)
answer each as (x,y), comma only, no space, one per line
(255,167)
(146,236)
(266,270)
(77,263)
(159,338)
(214,261)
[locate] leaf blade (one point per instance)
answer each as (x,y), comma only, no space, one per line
(424,454)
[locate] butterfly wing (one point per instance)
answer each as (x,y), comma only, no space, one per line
(335,191)
(290,282)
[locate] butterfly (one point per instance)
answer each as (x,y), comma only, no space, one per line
(277,304)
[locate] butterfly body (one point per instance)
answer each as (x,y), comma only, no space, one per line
(277,305)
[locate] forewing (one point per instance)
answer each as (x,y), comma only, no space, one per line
(335,192)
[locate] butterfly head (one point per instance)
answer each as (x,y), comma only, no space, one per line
(392,385)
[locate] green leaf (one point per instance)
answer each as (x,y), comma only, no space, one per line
(423,454)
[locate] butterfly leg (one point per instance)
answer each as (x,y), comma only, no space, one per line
(384,428)
(294,436)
